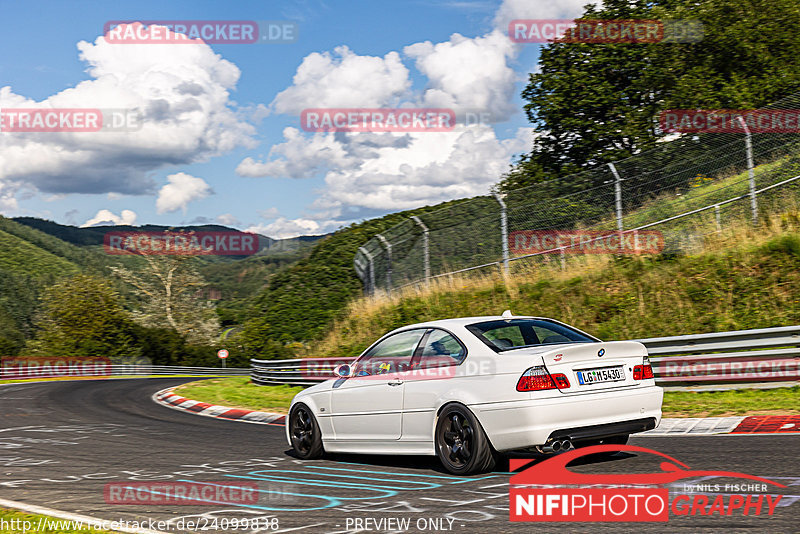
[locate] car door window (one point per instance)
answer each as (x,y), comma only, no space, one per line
(392,355)
(441,349)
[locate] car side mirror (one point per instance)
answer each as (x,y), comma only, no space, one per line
(343,371)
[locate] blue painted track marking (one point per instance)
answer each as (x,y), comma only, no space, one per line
(455,480)
(333,477)
(368,487)
(381,493)
(387,491)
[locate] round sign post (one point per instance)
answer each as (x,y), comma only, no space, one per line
(222,354)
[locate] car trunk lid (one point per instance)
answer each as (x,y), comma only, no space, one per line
(591,367)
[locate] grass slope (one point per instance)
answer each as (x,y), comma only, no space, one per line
(742,281)
(239,392)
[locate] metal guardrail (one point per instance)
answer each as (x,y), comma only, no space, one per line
(758,355)
(299,372)
(111,370)
(742,356)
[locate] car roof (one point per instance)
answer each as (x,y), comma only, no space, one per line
(463,321)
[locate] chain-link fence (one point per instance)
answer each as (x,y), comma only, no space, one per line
(661,200)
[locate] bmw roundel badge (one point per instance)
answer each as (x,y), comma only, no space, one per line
(601,352)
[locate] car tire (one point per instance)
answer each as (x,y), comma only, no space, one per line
(304,433)
(461,444)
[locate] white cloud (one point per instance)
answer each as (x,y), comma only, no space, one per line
(228,219)
(468,74)
(388,172)
(306,156)
(538,9)
(8,201)
(297,157)
(434,168)
(182,94)
(270,213)
(284,228)
(106,217)
(343,79)
(180,191)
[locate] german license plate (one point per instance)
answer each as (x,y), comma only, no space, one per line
(606,374)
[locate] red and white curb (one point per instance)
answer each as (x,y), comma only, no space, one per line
(167,398)
(684,426)
(704,426)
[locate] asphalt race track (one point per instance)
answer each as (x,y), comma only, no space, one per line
(62,442)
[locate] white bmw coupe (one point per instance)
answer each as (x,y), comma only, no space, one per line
(468,389)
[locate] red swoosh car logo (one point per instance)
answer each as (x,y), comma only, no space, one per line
(554,470)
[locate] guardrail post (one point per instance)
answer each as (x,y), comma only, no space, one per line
(503,230)
(717,217)
(426,252)
(388,247)
(371,269)
(748,144)
(618,198)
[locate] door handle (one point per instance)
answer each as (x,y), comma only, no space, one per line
(395,383)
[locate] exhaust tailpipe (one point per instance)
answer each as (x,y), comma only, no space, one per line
(553,446)
(556,445)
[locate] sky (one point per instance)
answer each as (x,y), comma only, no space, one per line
(219,137)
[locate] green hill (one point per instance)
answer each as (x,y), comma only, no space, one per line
(302,300)
(22,257)
(29,261)
(51,244)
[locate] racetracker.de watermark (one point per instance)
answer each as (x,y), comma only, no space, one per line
(430,367)
(605,31)
(585,242)
(181,493)
(200,32)
(78,120)
(228,243)
(378,120)
(13,367)
(730,120)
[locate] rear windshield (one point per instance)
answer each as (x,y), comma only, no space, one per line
(507,334)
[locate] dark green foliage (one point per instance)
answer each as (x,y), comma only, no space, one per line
(595,103)
(82,315)
(163,346)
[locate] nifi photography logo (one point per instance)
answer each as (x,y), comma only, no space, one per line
(549,492)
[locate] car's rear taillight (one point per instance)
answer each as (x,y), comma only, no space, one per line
(561,380)
(538,379)
(644,371)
